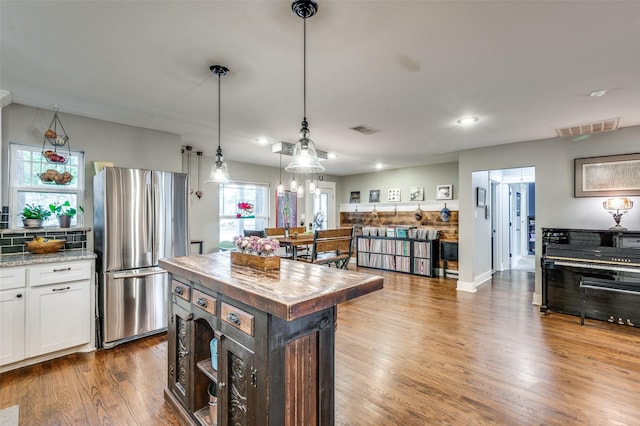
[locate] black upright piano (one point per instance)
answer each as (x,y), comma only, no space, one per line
(569,255)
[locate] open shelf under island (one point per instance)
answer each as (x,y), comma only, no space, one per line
(275,338)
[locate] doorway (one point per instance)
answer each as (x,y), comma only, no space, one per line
(321,206)
(513,219)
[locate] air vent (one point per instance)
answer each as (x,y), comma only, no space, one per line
(595,127)
(365,130)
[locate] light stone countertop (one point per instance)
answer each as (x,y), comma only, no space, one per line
(22,259)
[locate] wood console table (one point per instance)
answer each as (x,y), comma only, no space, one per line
(275,340)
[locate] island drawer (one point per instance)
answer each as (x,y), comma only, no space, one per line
(54,273)
(181,290)
(204,301)
(237,318)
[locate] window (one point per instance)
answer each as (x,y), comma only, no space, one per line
(231,194)
(26,164)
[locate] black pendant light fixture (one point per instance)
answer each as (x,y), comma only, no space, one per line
(219,169)
(305,157)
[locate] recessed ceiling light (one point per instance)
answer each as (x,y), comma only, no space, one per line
(465,121)
(379,166)
(262,141)
(331,155)
(598,93)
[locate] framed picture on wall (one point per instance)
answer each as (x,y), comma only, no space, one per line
(355,197)
(416,193)
(374,196)
(393,194)
(609,176)
(444,192)
(481,197)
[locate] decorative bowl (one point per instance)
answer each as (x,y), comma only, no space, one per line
(42,247)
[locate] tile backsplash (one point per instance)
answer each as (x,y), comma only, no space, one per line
(12,241)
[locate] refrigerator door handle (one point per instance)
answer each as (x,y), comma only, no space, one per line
(124,275)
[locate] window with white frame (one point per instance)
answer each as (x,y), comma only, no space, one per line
(28,185)
(233,221)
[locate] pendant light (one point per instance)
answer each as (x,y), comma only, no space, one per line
(219,169)
(199,191)
(280,189)
(305,157)
(294,184)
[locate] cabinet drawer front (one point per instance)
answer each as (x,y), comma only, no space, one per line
(204,301)
(181,290)
(12,278)
(53,273)
(237,318)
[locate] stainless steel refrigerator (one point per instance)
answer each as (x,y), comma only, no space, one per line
(139,216)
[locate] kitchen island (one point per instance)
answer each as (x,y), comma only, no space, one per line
(255,347)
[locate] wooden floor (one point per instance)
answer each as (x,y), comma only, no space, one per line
(417,352)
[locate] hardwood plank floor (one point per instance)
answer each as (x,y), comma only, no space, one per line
(417,352)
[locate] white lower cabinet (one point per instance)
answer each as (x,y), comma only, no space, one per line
(12,336)
(45,308)
(58,316)
(12,319)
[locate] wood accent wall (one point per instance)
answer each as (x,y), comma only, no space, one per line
(430,220)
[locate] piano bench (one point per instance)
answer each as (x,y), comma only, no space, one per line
(604,285)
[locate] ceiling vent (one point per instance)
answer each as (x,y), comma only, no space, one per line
(365,130)
(587,128)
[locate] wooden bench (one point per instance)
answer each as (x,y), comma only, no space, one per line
(609,286)
(331,247)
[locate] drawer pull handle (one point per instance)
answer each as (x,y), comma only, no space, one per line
(62,270)
(61,289)
(178,290)
(231,317)
(201,302)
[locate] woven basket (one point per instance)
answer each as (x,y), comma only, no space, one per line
(41,247)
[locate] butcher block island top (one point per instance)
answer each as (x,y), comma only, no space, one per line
(296,290)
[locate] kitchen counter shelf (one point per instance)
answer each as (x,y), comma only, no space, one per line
(22,259)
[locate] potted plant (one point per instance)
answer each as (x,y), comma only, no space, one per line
(33,215)
(64,212)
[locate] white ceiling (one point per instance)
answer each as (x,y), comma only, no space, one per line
(409,69)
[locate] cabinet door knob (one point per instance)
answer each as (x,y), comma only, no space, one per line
(19,295)
(201,302)
(178,290)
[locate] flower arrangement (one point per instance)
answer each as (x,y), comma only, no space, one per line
(257,245)
(245,209)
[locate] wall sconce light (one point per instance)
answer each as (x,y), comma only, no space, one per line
(617,205)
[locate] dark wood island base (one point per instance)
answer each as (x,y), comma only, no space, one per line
(251,347)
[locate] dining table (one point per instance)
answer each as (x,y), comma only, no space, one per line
(295,241)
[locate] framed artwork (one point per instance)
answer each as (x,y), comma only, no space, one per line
(355,197)
(286,209)
(610,176)
(416,193)
(393,194)
(444,192)
(481,197)
(374,196)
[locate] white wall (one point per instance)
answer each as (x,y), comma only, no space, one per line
(426,176)
(128,146)
(555,205)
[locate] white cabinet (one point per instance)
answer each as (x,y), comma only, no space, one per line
(46,310)
(12,319)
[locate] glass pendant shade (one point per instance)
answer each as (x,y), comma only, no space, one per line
(280,190)
(294,185)
(312,186)
(219,170)
(305,157)
(300,191)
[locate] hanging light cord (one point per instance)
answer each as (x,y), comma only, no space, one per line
(304,67)
(219,115)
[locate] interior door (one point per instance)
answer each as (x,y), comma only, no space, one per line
(321,206)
